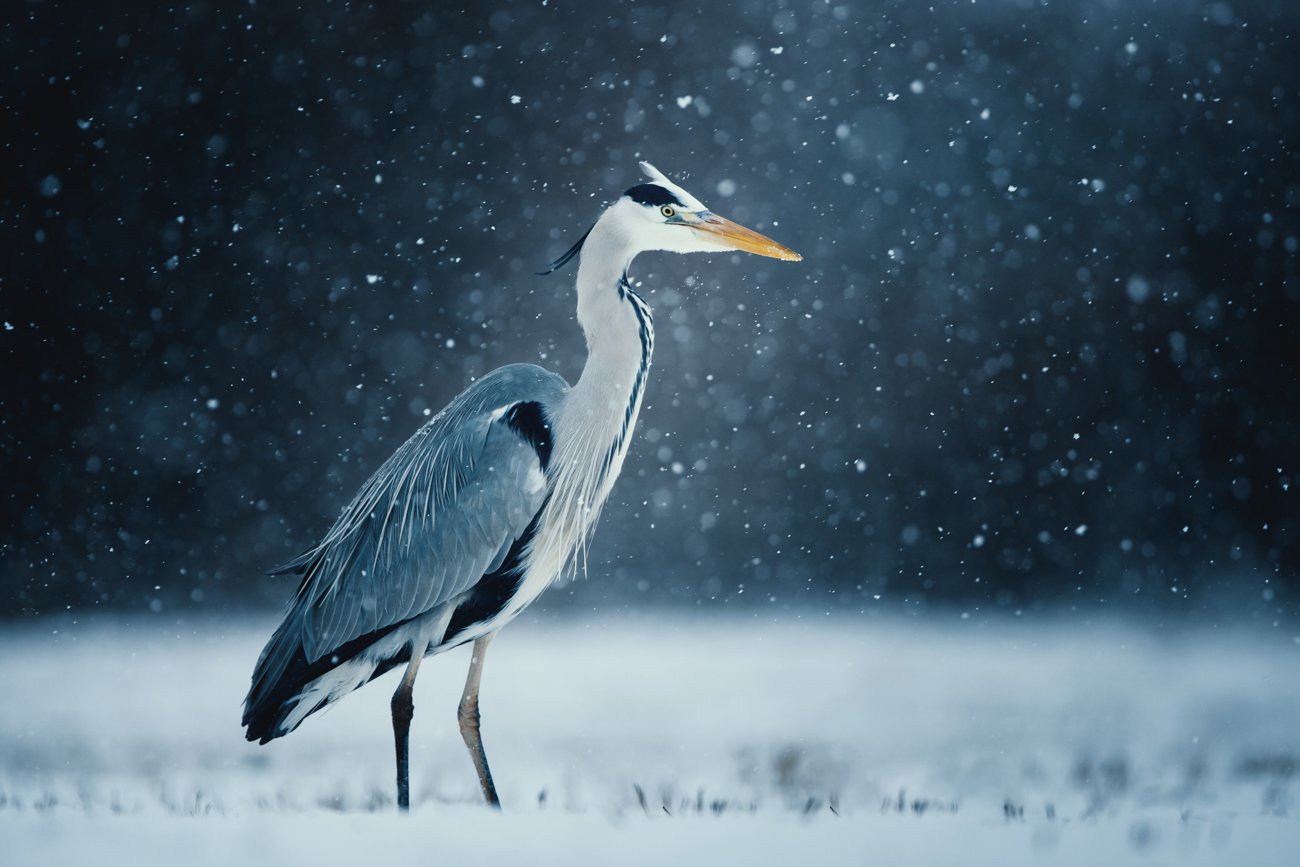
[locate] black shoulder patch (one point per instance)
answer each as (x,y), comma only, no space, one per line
(529,421)
(652,194)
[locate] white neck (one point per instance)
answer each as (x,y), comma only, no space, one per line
(601,409)
(594,423)
(608,317)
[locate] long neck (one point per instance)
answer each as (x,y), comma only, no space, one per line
(595,424)
(616,322)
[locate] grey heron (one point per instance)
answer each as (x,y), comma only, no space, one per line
(476,514)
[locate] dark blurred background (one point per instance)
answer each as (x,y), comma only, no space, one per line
(1040,355)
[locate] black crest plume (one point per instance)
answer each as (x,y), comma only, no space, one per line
(564,260)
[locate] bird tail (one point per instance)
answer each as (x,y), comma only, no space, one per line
(279,680)
(287,687)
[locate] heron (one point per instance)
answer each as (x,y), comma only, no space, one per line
(488,502)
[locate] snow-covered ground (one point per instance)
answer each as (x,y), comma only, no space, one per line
(671,739)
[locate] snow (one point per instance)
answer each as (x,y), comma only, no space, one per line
(463,835)
(672,739)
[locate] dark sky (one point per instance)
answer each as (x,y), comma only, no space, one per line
(1041,352)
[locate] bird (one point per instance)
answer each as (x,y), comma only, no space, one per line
(488,502)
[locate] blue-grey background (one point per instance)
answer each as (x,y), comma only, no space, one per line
(1039,355)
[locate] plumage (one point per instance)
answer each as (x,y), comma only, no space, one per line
(416,537)
(489,502)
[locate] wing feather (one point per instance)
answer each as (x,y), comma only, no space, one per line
(433,520)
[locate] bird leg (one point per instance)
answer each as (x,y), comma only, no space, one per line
(469,720)
(403,710)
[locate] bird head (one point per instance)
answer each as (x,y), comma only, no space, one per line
(666,217)
(660,215)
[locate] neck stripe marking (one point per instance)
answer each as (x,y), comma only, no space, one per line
(646,334)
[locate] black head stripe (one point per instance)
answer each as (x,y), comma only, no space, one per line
(653,195)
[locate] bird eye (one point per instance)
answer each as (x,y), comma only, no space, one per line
(667,211)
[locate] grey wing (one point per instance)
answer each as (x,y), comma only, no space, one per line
(441,513)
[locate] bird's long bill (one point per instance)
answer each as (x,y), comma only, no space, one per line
(737,237)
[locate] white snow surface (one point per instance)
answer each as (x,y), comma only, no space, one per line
(670,738)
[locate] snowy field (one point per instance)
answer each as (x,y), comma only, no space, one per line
(671,739)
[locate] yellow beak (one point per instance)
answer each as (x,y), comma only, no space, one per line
(737,237)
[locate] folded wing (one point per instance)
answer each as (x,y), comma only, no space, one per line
(440,514)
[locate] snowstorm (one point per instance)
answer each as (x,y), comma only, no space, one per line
(971,535)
